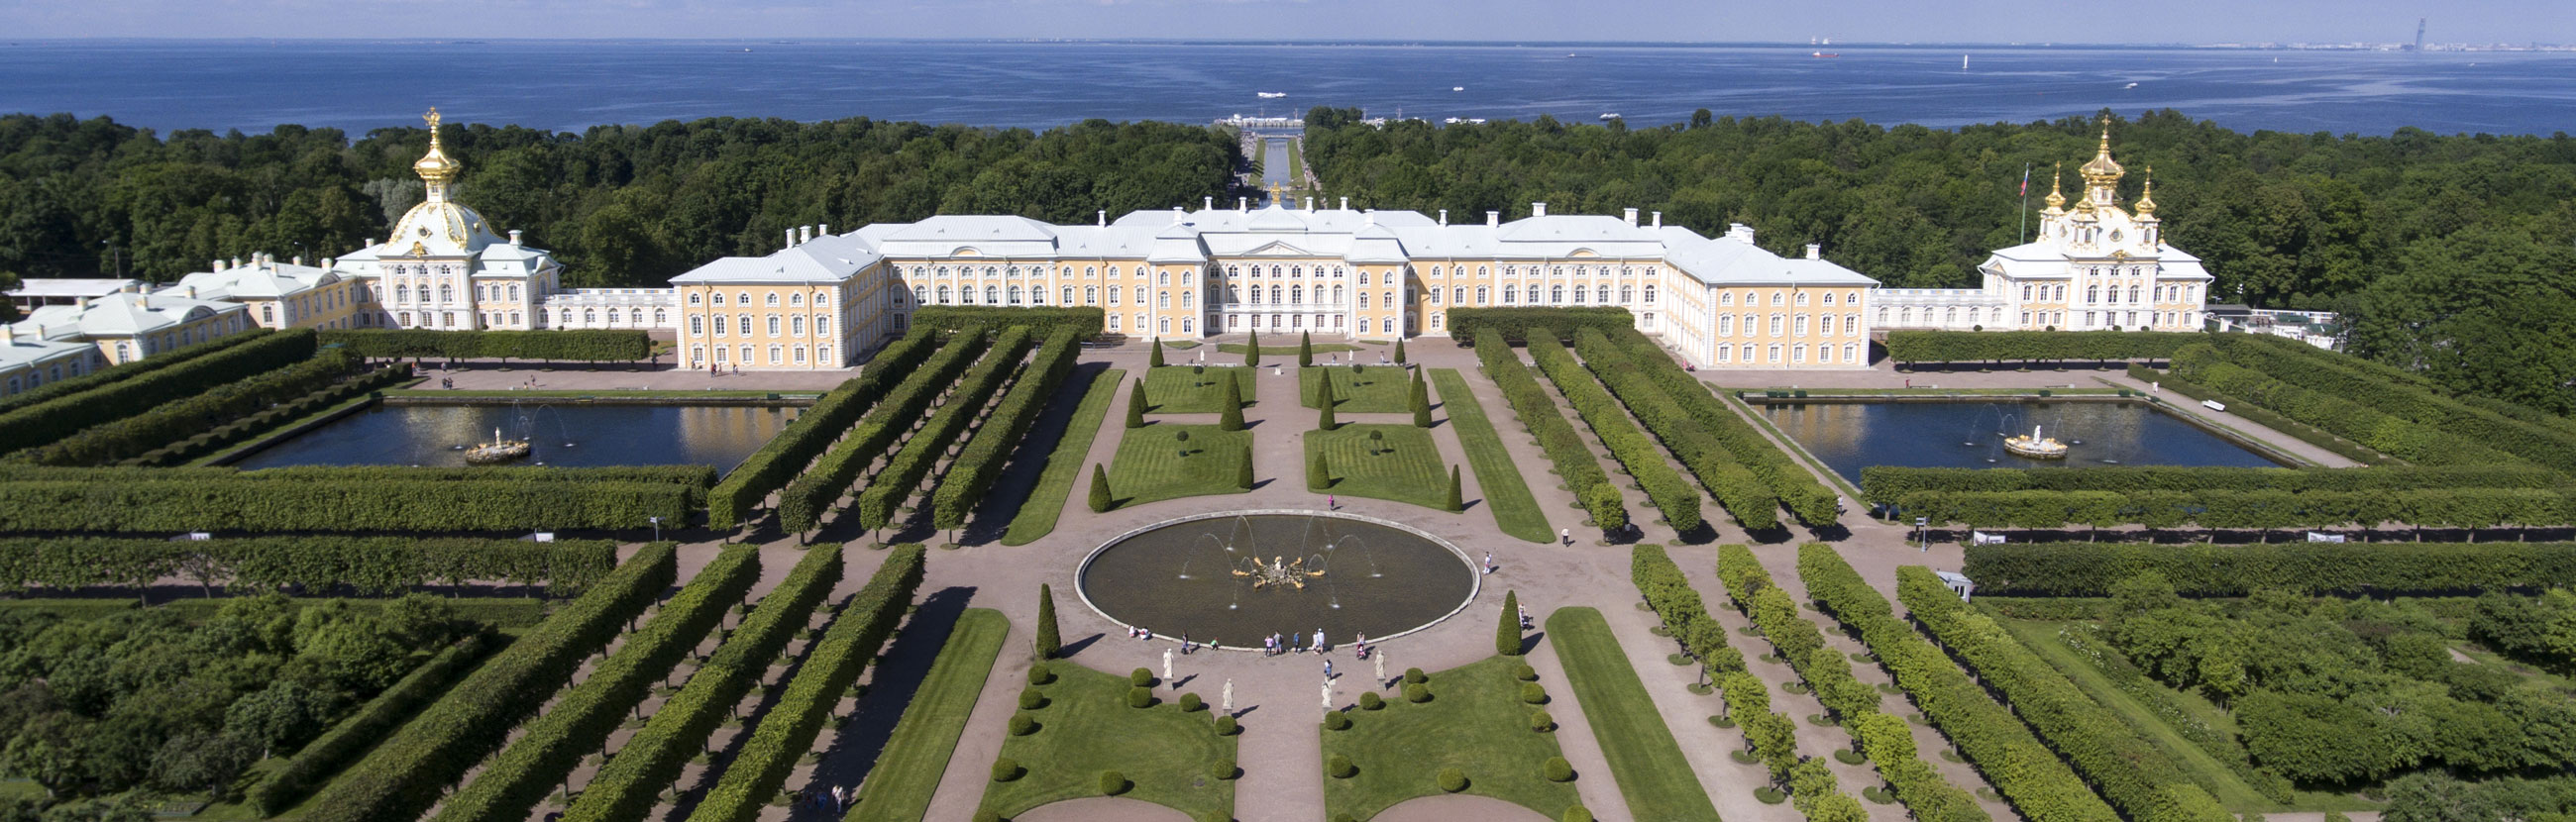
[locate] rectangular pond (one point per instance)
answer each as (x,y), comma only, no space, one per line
(565,435)
(1848,436)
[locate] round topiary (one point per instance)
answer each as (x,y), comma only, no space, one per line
(1877,795)
(1023,724)
(1112,783)
(1040,674)
(1578,813)
(1224,768)
(1453,780)
(1417,692)
(1140,678)
(1533,694)
(1337,721)
(1525,673)
(1031,700)
(1848,756)
(1415,676)
(1742,756)
(1370,701)
(1769,795)
(1006,769)
(1226,726)
(1541,722)
(1556,769)
(1722,721)
(1140,697)
(1191,702)
(1340,766)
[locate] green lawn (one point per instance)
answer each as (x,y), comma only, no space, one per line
(1403,467)
(1173,389)
(1064,467)
(916,755)
(1506,494)
(1370,389)
(1151,465)
(1086,728)
(1649,766)
(1285,350)
(1475,722)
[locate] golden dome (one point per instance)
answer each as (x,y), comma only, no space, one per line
(2056,199)
(436,168)
(2146,204)
(2102,170)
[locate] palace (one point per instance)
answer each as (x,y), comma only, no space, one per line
(2094,267)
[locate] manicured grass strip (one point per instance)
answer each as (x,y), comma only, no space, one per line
(1169,755)
(1151,465)
(1037,516)
(1475,722)
(916,755)
(1289,350)
(1652,774)
(1183,389)
(1515,510)
(1405,466)
(1369,389)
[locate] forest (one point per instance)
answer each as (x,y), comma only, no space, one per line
(2447,252)
(620,205)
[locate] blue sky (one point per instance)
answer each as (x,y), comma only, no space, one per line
(2152,21)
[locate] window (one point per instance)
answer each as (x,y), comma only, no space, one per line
(1556,294)
(1626,294)
(1140,295)
(1776,319)
(697,326)
(1015,295)
(1387,325)
(743,298)
(921,294)
(1480,295)
(742,325)
(1829,298)
(1775,353)
(1851,322)
(992,295)
(1725,353)
(590,316)
(1163,278)
(1578,295)
(1162,299)
(1091,295)
(1825,325)
(1166,326)
(1802,298)
(1435,321)
(773,326)
(1113,320)
(1364,278)
(1776,298)
(1068,295)
(1650,293)
(823,328)
(796,325)
(2025,293)
(1510,294)
(1798,353)
(773,355)
(800,355)
(798,300)
(720,353)
(1802,325)
(1722,299)
(1726,325)
(1364,299)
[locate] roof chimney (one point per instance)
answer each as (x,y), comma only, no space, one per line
(330,262)
(1739,232)
(216,264)
(1659,219)
(188,291)
(1176,215)
(1346,204)
(1493,218)
(1815,251)
(1444,216)
(1103,217)
(236,264)
(823,230)
(514,236)
(1632,218)
(1310,204)
(299,259)
(791,239)
(1371,216)
(1242,204)
(1207,203)
(804,234)
(1538,209)
(8,334)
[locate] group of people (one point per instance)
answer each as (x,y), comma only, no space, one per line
(835,799)
(1293,642)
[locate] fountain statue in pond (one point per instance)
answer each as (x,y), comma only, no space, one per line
(2035,446)
(497,451)
(1291,572)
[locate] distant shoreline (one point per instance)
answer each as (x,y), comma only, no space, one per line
(2435,48)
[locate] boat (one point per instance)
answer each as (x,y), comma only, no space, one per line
(1610,116)
(1457,88)
(1452,121)
(2035,446)
(1825,54)
(1963,62)
(497,451)
(1271,95)
(2130,86)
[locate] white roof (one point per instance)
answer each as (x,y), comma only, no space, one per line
(823,260)
(119,315)
(257,280)
(26,349)
(68,287)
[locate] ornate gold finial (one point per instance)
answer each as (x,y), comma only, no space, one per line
(435,168)
(2056,197)
(2146,204)
(2103,172)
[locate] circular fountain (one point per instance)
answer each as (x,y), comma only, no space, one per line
(1232,578)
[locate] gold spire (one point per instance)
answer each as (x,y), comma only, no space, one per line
(435,168)
(2146,205)
(2056,199)
(2103,171)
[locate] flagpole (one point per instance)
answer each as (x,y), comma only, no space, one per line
(2025,202)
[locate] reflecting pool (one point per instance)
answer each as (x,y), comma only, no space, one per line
(1849,435)
(562,434)
(1233,578)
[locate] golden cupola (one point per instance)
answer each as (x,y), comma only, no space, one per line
(2102,174)
(436,168)
(2146,205)
(439,226)
(2056,196)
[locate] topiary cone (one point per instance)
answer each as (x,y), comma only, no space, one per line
(1456,501)
(1252,353)
(1156,358)
(1399,351)
(1305,348)
(1048,641)
(1507,632)
(1136,404)
(1099,489)
(1230,417)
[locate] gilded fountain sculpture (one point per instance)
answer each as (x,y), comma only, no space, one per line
(1277,572)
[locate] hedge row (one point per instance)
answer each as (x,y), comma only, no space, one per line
(2131,772)
(2264,510)
(2036,346)
(2220,743)
(1767,734)
(401,505)
(787,731)
(169,422)
(355,736)
(410,771)
(587,344)
(1517,324)
(1734,486)
(127,370)
(1665,489)
(2301,431)
(215,439)
(44,422)
(2381,569)
(1684,615)
(631,783)
(1575,463)
(1805,497)
(1886,484)
(580,722)
(2040,786)
(904,471)
(801,505)
(813,432)
(2334,374)
(2337,414)
(972,473)
(366,565)
(1085,323)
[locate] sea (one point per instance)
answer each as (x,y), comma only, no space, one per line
(570,85)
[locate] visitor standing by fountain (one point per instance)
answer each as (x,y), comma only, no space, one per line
(1319,640)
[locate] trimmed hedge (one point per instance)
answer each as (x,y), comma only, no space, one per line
(583,344)
(1797,489)
(2039,785)
(630,784)
(1768,736)
(172,504)
(44,422)
(579,723)
(2036,346)
(367,565)
(1665,489)
(2339,414)
(760,768)
(1735,487)
(410,771)
(1042,321)
(980,463)
(2131,772)
(1684,615)
(813,432)
(355,736)
(2304,432)
(127,370)
(244,428)
(801,505)
(1886,484)
(905,470)
(1516,325)
(177,419)
(1539,416)
(2405,398)
(2371,569)
(2257,510)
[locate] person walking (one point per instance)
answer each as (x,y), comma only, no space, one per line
(1332,503)
(1328,669)
(1319,640)
(1489,562)
(1566,534)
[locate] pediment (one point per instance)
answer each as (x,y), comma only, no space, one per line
(1279,249)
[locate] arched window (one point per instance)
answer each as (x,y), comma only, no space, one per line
(589,316)
(773,325)
(1185,302)
(742,325)
(1626,294)
(659,318)
(1387,325)
(992,295)
(822,327)
(1825,325)
(743,298)
(1602,293)
(1140,295)
(1725,325)
(514,292)
(796,299)
(1068,295)
(1015,295)
(1650,293)
(796,325)
(1480,295)
(1163,277)
(1511,294)
(1165,326)
(446,293)
(1775,298)
(921,294)
(1296,294)
(1091,295)
(1556,294)
(2092,295)
(1457,296)
(2025,293)
(1727,298)
(2133,293)
(1188,327)
(1162,299)
(1851,322)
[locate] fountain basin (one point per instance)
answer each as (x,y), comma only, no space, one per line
(1180,577)
(563,435)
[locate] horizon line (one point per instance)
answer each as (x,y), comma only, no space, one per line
(1310,42)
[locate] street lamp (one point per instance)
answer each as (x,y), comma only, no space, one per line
(1921,535)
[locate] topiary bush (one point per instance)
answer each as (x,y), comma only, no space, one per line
(1453,780)
(1224,768)
(1140,678)
(1769,795)
(1226,726)
(1415,676)
(1190,703)
(1533,694)
(1340,766)
(1417,693)
(1140,697)
(1578,813)
(1369,701)
(1113,783)
(1006,769)
(1031,699)
(1023,724)
(1040,674)
(1525,673)
(1337,721)
(1848,756)
(1541,722)
(1722,721)
(1556,769)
